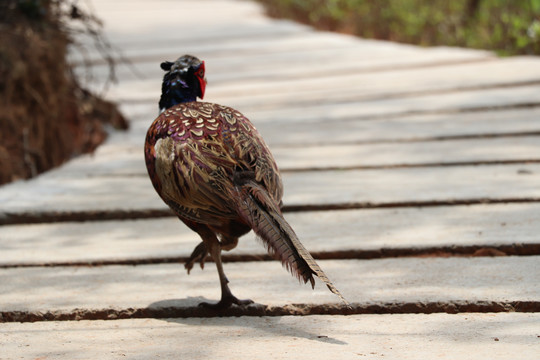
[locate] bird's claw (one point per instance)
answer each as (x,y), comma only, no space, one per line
(199,255)
(225,303)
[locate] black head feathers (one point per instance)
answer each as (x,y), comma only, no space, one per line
(183,81)
(166,65)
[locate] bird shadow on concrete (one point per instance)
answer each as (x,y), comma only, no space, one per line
(253,318)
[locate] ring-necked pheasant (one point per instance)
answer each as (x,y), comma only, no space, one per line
(213,169)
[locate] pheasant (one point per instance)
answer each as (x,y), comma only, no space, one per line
(209,164)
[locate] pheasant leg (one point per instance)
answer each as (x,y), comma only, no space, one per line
(200,252)
(227,298)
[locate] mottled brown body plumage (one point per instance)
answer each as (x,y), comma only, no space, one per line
(211,166)
(193,151)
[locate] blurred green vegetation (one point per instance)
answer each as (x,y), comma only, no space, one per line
(508,27)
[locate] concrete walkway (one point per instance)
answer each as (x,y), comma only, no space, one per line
(411,173)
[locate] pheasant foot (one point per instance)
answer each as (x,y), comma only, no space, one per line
(225,303)
(199,255)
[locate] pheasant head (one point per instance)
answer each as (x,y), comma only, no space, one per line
(183,81)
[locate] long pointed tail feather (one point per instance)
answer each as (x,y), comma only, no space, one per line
(266,220)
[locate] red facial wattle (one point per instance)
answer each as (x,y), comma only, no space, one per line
(202,81)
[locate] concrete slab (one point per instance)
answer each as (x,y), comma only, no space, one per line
(326,232)
(498,122)
(53,192)
(381,281)
(314,130)
(461,101)
(366,109)
(120,159)
(441,336)
(311,81)
(411,185)
(161,21)
(285,85)
(256,54)
(223,23)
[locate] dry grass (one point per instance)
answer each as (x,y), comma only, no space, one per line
(45,116)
